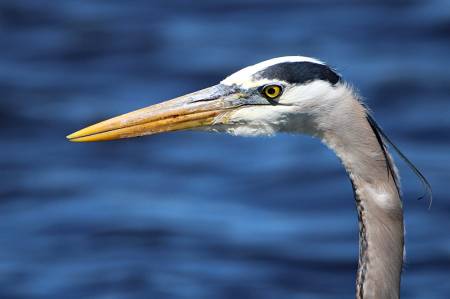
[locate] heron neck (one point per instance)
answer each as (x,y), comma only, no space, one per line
(378,203)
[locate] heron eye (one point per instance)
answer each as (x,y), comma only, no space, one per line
(272,91)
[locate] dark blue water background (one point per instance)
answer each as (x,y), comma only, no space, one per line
(198,215)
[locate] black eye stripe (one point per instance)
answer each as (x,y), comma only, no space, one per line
(298,73)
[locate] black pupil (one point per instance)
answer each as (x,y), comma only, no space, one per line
(271,90)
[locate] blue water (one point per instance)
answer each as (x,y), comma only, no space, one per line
(197,215)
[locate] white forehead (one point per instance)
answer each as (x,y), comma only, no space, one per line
(243,77)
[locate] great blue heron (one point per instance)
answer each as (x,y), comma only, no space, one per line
(301,95)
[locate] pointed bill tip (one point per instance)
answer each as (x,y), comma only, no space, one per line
(97,132)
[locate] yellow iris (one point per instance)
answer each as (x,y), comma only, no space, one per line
(272,91)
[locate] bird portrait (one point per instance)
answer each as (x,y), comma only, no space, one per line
(298,95)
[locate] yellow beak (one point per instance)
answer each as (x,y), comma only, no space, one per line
(202,108)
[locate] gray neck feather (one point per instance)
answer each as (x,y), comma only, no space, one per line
(345,129)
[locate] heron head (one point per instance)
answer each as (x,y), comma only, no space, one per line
(276,95)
